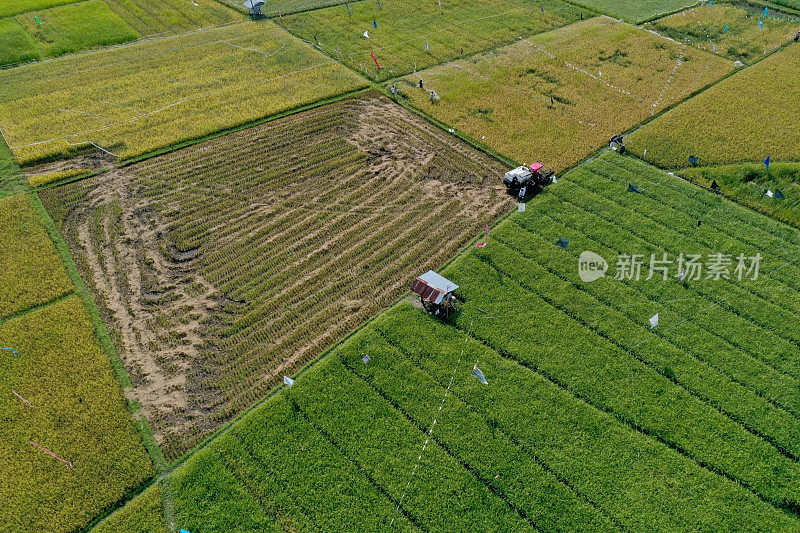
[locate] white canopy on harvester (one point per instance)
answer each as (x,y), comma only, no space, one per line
(433,287)
(254,6)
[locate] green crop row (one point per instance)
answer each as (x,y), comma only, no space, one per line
(65,29)
(142,515)
(776,348)
(17,44)
(13,7)
(748,185)
(644,484)
(691,356)
(275,468)
(601,371)
(510,468)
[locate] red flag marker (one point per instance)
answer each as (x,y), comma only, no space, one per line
(375,60)
(51,453)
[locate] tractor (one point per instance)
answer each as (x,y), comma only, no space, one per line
(435,293)
(522,180)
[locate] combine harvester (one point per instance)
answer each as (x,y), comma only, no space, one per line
(522,179)
(435,293)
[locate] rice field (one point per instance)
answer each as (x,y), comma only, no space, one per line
(151,17)
(13,7)
(751,185)
(196,207)
(65,29)
(211,310)
(637,11)
(401,44)
(591,420)
(68,448)
(31,273)
(744,118)
(16,44)
(738,31)
(559,96)
(84,422)
(149,95)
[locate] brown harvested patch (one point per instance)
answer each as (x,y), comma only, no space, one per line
(226,265)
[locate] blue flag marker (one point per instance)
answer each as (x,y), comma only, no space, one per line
(12,350)
(426,44)
(374,23)
(348,8)
(726,27)
(184,531)
(760,24)
(765,10)
(379,5)
(766,162)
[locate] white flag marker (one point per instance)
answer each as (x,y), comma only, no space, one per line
(521,207)
(478,374)
(770,194)
(288,381)
(653,321)
(366,34)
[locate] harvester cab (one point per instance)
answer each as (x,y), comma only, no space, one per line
(435,293)
(617,144)
(523,180)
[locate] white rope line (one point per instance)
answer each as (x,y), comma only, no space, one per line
(678,63)
(5,140)
(80,112)
(93,144)
(430,431)
(576,69)
(707,36)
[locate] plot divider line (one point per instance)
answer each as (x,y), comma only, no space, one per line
(430,431)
